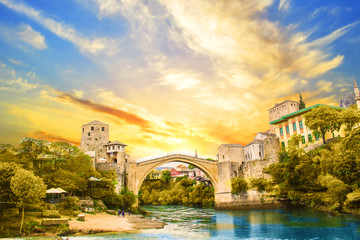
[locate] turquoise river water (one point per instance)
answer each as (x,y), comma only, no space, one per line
(196,223)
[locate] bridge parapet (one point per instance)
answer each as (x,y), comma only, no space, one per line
(181,154)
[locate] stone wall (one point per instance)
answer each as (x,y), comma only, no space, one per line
(254,169)
(231,152)
(226,171)
(246,200)
(119,169)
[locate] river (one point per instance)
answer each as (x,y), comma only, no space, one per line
(196,223)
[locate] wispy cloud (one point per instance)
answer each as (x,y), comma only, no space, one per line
(125,116)
(27,34)
(17,62)
(93,46)
(21,34)
(284,5)
(11,83)
(52,137)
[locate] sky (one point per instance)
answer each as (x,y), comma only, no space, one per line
(169,75)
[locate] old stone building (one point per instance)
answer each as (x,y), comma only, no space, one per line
(282,109)
(94,136)
(249,161)
(105,154)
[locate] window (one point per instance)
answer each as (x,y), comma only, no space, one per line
(287,130)
(303,139)
(113,147)
(301,124)
(317,137)
(333,135)
(88,134)
(294,126)
(310,138)
(108,148)
(92,128)
(83,129)
(223,156)
(118,147)
(103,129)
(283,144)
(281,131)
(260,154)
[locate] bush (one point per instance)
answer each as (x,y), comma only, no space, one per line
(259,183)
(238,185)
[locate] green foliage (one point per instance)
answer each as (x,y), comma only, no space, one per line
(70,181)
(7,171)
(183,191)
(301,103)
(166,175)
(261,184)
(323,119)
(350,117)
(327,178)
(191,166)
(28,188)
(353,199)
(238,185)
(336,188)
(32,150)
(123,201)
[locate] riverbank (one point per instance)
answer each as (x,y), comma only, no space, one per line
(103,222)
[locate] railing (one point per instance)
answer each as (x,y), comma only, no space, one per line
(154,157)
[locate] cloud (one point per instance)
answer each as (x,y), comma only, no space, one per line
(326,40)
(17,62)
(180,80)
(21,34)
(93,46)
(284,5)
(27,34)
(125,116)
(51,137)
(9,82)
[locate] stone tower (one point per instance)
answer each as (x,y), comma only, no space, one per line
(281,109)
(357,94)
(94,136)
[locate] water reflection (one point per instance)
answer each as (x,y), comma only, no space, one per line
(195,223)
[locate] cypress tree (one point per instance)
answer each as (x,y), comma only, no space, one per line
(301,103)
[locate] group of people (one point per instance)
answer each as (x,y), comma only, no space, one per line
(121,213)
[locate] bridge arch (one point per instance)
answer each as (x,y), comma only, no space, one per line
(139,171)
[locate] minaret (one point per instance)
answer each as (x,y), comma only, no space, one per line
(357,94)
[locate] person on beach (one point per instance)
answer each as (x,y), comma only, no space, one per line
(123,213)
(119,213)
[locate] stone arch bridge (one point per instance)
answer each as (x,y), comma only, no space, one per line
(219,173)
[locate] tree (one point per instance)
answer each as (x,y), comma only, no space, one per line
(28,188)
(7,171)
(70,181)
(32,149)
(301,103)
(350,117)
(166,175)
(191,166)
(323,119)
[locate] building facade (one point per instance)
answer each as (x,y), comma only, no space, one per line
(294,123)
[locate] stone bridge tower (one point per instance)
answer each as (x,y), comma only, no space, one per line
(94,135)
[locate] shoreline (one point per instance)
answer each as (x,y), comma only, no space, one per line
(106,223)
